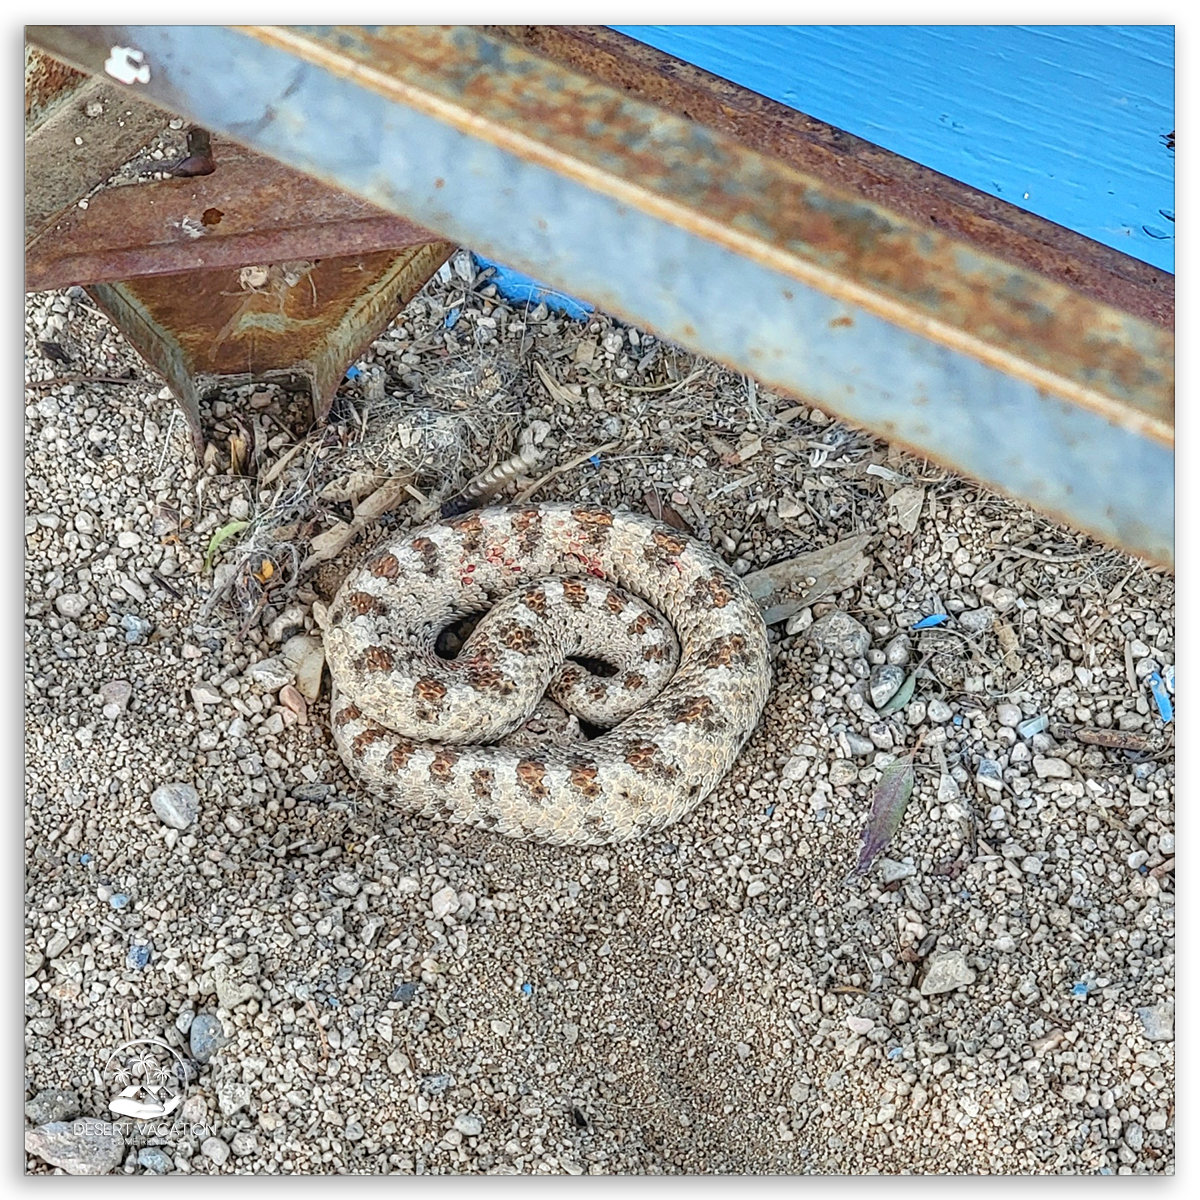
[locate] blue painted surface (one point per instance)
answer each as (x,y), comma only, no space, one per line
(1065,121)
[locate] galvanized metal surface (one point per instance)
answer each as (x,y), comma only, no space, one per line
(78,130)
(305,319)
(996,370)
(249,210)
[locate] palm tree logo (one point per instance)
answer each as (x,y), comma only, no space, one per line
(151,1078)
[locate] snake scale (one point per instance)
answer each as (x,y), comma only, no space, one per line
(457,739)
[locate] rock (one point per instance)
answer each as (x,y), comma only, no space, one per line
(347,883)
(796,768)
(885,683)
(244,1143)
(215,1149)
(858,745)
(84,1147)
(842,772)
(136,628)
(1158,1021)
(1009,715)
(841,635)
(33,961)
(398,1062)
(469,1125)
(1051,768)
(939,712)
(71,605)
(444,903)
(269,673)
(232,1097)
(116,692)
(206,1036)
(860,1025)
(898,650)
(127,539)
(230,992)
(977,620)
(1135,1136)
(291,699)
(989,774)
(286,625)
(890,871)
(881,736)
(306,657)
(947,970)
(52,1105)
(177,804)
(435,1085)
(155,1160)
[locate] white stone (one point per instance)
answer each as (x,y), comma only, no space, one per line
(444,903)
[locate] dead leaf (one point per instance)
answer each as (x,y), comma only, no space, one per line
(907,504)
(742,454)
(787,587)
(661,511)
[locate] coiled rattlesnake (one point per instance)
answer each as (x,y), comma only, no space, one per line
(448,738)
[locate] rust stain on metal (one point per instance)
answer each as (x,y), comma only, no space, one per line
(304,319)
(251,209)
(78,130)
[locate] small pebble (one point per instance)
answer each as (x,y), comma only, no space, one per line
(839,634)
(1051,768)
(176,804)
(206,1036)
(469,1125)
(1009,715)
(444,903)
(155,1160)
(947,970)
(1158,1022)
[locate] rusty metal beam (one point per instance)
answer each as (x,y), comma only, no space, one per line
(204,330)
(78,130)
(998,370)
(250,210)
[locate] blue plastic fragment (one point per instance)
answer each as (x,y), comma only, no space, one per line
(895,1052)
(594,460)
(352,372)
(138,957)
(452,317)
(515,287)
(1158,690)
(770,810)
(930,621)
(85,858)
(118,900)
(1080,989)
(527,988)
(1143,869)
(956,719)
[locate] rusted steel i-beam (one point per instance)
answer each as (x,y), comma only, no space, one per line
(1046,391)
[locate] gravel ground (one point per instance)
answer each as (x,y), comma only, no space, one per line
(994,996)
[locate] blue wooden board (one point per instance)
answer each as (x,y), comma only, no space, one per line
(1066,121)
